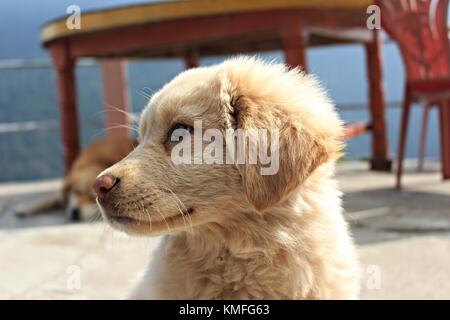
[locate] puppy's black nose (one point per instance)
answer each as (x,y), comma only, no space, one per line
(104,184)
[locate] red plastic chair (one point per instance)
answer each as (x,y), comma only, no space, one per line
(420,29)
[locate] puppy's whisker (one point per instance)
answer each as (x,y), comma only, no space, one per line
(149,219)
(95,218)
(130,115)
(146,212)
(122,126)
(140,213)
(131,118)
(182,211)
(146,92)
(164,219)
(117,204)
(111,108)
(183,217)
(181,207)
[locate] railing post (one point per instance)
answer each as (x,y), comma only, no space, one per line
(64,65)
(295,43)
(190,61)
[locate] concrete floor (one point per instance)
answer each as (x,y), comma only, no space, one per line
(403,240)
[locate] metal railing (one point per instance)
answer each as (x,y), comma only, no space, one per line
(53,124)
(8,64)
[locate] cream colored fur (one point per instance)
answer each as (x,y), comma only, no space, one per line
(230,232)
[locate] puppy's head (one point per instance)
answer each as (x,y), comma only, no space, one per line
(78,195)
(149,192)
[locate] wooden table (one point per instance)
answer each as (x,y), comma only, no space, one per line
(191,29)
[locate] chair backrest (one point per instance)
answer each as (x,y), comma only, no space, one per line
(420,29)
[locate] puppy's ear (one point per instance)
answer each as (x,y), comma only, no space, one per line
(299,153)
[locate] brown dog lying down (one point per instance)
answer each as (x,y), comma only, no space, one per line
(77,196)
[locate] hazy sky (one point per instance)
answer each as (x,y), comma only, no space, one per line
(20,21)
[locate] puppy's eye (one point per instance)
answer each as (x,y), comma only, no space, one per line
(178,130)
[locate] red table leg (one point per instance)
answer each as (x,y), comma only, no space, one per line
(190,61)
(64,65)
(380,150)
(116,98)
(444,119)
(294,44)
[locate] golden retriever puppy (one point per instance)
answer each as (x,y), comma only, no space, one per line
(77,196)
(233,232)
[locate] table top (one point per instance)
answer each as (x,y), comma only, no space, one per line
(134,15)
